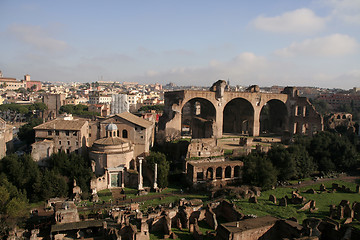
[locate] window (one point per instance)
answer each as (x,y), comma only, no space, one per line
(77,143)
(124,133)
(57,133)
(50,133)
(59,142)
(68,142)
(75,133)
(67,133)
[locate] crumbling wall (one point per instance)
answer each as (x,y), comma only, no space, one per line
(228,211)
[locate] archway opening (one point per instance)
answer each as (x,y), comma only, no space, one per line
(198,118)
(273,118)
(219,173)
(124,133)
(228,172)
(209,174)
(238,117)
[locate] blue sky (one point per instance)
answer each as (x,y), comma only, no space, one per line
(282,42)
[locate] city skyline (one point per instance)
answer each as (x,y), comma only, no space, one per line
(301,43)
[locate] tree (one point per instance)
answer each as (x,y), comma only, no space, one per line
(321,106)
(157,108)
(53,185)
(4,198)
(72,166)
(23,173)
(13,205)
(163,167)
(79,109)
(27,132)
(259,171)
(283,162)
(333,152)
(305,165)
(16,208)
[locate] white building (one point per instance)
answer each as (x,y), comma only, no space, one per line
(97,98)
(119,104)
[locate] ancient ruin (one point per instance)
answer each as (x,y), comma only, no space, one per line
(206,114)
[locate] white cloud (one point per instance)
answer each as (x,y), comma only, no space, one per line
(331,46)
(245,69)
(37,37)
(345,10)
(345,80)
(301,21)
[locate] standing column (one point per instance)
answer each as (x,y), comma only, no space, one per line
(219,119)
(140,178)
(256,124)
(155,177)
(122,179)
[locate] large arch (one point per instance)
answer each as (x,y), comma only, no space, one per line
(197,118)
(238,117)
(274,118)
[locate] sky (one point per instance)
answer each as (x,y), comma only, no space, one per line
(280,42)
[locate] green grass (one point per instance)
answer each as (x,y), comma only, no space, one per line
(204,227)
(228,151)
(323,201)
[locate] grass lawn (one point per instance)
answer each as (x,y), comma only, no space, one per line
(173,196)
(323,201)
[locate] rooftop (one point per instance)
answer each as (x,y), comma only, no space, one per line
(60,124)
(135,119)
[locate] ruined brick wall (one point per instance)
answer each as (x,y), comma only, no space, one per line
(228,211)
(290,112)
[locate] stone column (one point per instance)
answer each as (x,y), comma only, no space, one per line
(122,179)
(140,178)
(155,177)
(256,125)
(219,121)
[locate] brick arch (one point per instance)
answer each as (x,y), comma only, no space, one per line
(274,117)
(219,173)
(228,170)
(198,115)
(209,173)
(170,122)
(238,116)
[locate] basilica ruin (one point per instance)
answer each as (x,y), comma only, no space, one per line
(213,113)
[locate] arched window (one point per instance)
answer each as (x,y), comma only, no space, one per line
(209,174)
(228,172)
(124,133)
(219,173)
